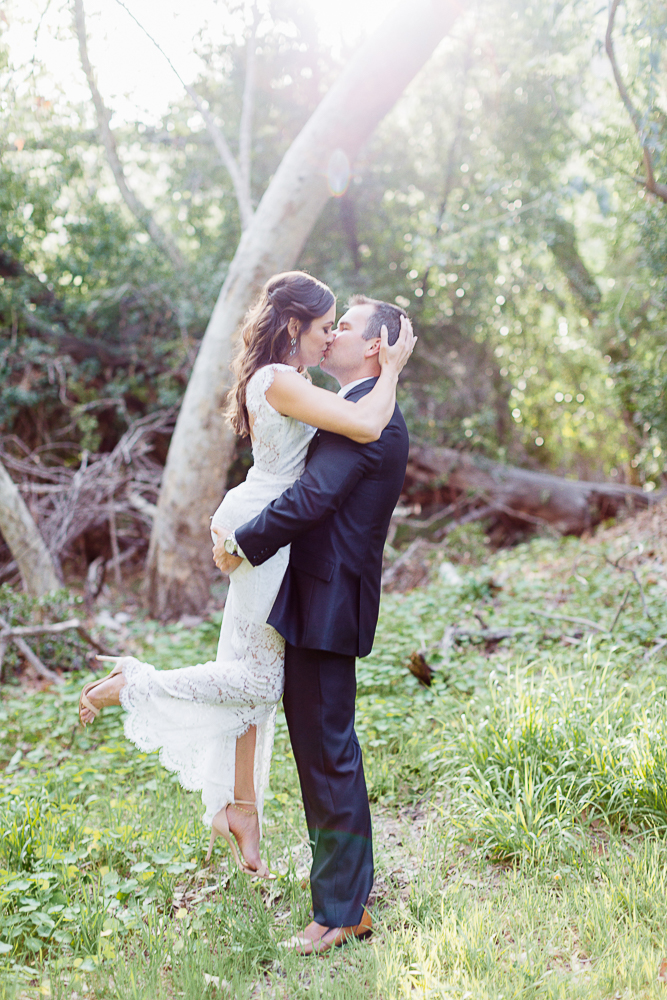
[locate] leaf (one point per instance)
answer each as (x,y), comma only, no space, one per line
(4,948)
(662,973)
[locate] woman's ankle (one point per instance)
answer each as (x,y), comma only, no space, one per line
(108,693)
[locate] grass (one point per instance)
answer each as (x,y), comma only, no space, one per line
(519,812)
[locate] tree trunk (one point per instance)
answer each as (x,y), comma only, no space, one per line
(518,495)
(179,563)
(38,572)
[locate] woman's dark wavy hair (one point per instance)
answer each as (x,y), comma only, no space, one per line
(265,338)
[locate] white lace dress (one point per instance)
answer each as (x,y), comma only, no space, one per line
(194,715)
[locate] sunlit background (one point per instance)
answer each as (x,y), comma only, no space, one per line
(134,77)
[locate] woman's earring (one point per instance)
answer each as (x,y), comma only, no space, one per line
(293,345)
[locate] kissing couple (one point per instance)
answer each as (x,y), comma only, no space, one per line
(302,540)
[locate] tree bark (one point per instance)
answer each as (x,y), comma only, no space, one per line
(179,564)
(37,569)
(520,495)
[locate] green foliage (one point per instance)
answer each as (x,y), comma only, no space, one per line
(545,750)
(66,651)
(553,755)
(504,217)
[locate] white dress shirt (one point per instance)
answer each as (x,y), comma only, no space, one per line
(343,391)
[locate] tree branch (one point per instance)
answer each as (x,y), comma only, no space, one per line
(32,658)
(571,618)
(245,127)
(7,632)
(138,209)
(225,153)
(655,187)
(238,178)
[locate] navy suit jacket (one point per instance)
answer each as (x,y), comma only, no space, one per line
(336,517)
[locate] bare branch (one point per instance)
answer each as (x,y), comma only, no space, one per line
(240,177)
(245,128)
(9,633)
(113,534)
(32,658)
(138,209)
(620,608)
(655,187)
(570,618)
(628,569)
(245,208)
(473,515)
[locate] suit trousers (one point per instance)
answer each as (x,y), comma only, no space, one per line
(320,690)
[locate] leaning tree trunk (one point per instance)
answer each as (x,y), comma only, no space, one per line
(518,495)
(179,562)
(26,545)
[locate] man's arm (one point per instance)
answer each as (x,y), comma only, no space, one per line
(334,470)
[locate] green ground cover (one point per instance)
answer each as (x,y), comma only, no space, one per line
(520,809)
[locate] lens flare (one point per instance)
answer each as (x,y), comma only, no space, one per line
(338,173)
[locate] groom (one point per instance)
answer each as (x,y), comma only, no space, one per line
(336,517)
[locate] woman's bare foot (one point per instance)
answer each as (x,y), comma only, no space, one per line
(102,695)
(245,827)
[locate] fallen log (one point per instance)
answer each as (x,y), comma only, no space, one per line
(443,475)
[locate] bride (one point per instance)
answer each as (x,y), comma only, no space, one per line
(213,723)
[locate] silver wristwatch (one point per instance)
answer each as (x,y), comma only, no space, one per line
(231,545)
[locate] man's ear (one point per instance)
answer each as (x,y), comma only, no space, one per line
(372,347)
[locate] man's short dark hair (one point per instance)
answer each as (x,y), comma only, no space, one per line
(384,314)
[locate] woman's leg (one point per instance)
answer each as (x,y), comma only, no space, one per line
(243,819)
(244,784)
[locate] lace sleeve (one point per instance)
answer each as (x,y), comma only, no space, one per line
(258,384)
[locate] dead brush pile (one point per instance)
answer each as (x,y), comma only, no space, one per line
(98,512)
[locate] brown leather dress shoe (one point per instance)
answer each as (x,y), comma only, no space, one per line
(316,939)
